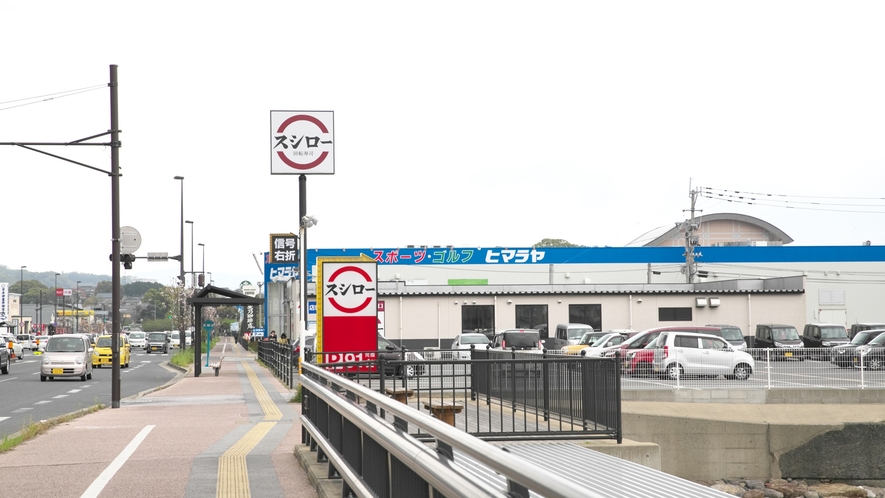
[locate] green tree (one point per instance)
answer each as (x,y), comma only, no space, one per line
(30,291)
(104,287)
(556,243)
(138,289)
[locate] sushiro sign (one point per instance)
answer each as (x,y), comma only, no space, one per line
(347,321)
(302,142)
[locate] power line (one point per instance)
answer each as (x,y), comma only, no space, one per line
(785,204)
(48,97)
(738,192)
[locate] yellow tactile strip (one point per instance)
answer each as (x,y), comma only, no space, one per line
(233,476)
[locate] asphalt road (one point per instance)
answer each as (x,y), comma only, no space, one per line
(25,399)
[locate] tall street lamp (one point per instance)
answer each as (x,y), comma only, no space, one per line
(55,311)
(181,266)
(191,223)
(21,302)
(203,268)
(77,311)
(306,222)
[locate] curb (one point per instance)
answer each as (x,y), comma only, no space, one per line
(325,487)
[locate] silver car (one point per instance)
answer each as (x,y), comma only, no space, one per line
(67,355)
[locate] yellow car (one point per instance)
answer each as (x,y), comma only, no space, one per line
(102,356)
(586,341)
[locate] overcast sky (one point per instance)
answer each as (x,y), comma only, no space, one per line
(457,123)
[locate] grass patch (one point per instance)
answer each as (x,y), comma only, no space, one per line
(186,357)
(33,430)
(297,397)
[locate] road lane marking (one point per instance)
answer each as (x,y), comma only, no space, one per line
(43,402)
(74,391)
(3,418)
(60,396)
(105,477)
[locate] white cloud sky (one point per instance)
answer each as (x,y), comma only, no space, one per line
(463,123)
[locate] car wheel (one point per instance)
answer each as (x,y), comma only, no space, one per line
(874,364)
(645,369)
(89,375)
(5,369)
(674,371)
(42,378)
(410,371)
(83,378)
(148,351)
(742,372)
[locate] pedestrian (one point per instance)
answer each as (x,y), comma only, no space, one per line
(273,335)
(284,339)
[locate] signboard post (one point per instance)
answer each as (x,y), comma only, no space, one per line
(347,320)
(208,325)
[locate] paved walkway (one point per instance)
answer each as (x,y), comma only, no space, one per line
(227,436)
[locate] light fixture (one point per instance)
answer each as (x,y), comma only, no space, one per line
(701,302)
(465,302)
(559,301)
(714,302)
(509,302)
(474,301)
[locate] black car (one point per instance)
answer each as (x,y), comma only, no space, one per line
(842,355)
(390,351)
(870,356)
(4,359)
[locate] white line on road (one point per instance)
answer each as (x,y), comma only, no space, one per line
(74,391)
(60,396)
(102,480)
(3,418)
(8,379)
(43,402)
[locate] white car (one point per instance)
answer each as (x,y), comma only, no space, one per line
(690,353)
(462,344)
(174,339)
(17,347)
(604,344)
(137,339)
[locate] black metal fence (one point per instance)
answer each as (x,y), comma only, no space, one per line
(279,359)
(496,394)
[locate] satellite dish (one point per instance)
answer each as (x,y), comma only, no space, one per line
(130,240)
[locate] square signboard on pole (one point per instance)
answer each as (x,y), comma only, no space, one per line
(347,321)
(302,142)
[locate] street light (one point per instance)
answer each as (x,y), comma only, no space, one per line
(181,266)
(77,319)
(203,268)
(306,222)
(21,301)
(191,223)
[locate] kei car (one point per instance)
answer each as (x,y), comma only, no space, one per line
(157,342)
(67,355)
(102,354)
(463,343)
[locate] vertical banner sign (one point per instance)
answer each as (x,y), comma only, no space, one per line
(347,321)
(302,142)
(4,301)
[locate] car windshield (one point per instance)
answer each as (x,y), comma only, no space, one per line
(784,334)
(103,342)
(474,339)
(520,340)
(136,335)
(589,338)
(157,337)
(65,345)
(833,333)
(860,338)
(578,332)
(732,334)
(878,341)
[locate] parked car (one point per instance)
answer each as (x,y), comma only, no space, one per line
(137,340)
(463,342)
(518,339)
(859,327)
(390,351)
(677,354)
(157,342)
(67,355)
(587,340)
(633,363)
(732,335)
(5,359)
(842,356)
(572,332)
(102,354)
(601,345)
(870,356)
(783,340)
(14,346)
(822,336)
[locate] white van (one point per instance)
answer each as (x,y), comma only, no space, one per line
(572,332)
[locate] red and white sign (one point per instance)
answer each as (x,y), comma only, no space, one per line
(302,142)
(347,321)
(59,292)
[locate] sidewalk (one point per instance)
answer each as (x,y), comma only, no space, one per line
(229,436)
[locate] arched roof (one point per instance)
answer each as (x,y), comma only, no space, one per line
(774,233)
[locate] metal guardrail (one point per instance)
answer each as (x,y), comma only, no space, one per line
(373,455)
(498,395)
(280,360)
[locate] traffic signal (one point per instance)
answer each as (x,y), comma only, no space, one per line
(126,259)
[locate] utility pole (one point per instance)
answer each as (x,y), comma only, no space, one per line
(691,240)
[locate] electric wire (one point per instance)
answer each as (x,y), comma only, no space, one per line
(48,97)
